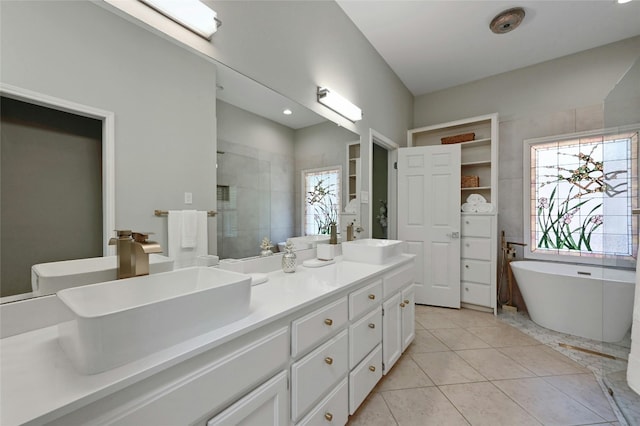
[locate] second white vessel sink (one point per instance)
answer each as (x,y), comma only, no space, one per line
(117,322)
(47,278)
(371,250)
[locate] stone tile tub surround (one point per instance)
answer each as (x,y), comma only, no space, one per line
(513,131)
(503,376)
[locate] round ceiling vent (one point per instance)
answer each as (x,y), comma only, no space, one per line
(507,20)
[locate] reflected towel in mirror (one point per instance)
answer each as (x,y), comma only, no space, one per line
(186,256)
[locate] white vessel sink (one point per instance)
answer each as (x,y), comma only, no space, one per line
(370,250)
(48,278)
(117,322)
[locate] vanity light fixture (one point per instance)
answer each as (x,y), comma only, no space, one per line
(191,14)
(337,103)
(623,1)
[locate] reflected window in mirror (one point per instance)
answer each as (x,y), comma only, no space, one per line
(321,199)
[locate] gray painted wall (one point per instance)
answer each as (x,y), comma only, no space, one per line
(163,98)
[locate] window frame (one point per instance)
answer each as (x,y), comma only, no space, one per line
(604,260)
(303,194)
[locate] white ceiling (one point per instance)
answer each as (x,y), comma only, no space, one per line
(432,45)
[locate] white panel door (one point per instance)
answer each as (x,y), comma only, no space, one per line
(429,220)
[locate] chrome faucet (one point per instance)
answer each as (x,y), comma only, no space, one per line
(133,251)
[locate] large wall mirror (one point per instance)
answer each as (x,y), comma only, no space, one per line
(259,156)
(265,141)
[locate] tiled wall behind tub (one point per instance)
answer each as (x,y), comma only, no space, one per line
(512,134)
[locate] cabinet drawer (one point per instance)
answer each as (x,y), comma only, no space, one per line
(317,325)
(265,406)
(364,335)
(364,378)
(476,226)
(478,294)
(475,248)
(313,375)
(397,279)
(360,301)
(478,271)
(187,398)
(333,410)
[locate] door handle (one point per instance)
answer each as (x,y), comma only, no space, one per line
(454,235)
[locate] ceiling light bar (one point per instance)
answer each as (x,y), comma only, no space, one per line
(191,14)
(337,103)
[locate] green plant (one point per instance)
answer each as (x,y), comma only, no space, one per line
(323,200)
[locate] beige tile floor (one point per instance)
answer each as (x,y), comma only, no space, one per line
(469,368)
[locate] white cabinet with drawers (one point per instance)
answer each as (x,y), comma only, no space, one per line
(312,362)
(478,263)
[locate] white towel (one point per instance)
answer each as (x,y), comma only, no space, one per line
(186,256)
(476,199)
(189,229)
(484,207)
(469,208)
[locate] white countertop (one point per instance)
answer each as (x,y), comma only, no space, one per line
(38,383)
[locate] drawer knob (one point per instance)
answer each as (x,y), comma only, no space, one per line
(372,325)
(402,305)
(372,296)
(328,360)
(406,301)
(328,321)
(467,245)
(466,289)
(328,416)
(466,266)
(466,221)
(372,368)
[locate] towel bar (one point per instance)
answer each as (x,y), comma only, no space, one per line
(210,213)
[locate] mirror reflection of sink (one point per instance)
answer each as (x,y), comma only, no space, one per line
(117,322)
(48,278)
(371,250)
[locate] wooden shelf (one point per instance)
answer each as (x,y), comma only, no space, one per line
(477,188)
(476,163)
(479,142)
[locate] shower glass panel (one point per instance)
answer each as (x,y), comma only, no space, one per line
(622,108)
(244,204)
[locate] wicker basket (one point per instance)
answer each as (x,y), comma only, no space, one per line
(470,181)
(465,137)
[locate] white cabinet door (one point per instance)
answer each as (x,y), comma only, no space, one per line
(265,406)
(391,331)
(429,219)
(408,316)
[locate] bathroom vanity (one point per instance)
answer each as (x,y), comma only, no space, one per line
(313,345)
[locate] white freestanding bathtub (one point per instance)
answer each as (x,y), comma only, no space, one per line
(586,301)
